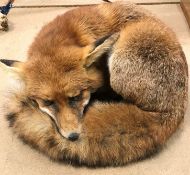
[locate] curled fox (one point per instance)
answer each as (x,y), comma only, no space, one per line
(103,85)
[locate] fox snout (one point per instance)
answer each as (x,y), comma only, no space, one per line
(69,125)
(72,136)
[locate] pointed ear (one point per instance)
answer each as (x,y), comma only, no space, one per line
(13,75)
(94,51)
(11,63)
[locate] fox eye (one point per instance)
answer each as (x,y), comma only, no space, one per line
(75,98)
(48,102)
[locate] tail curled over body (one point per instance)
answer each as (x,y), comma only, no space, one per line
(112,134)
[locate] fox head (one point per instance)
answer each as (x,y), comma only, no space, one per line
(61,82)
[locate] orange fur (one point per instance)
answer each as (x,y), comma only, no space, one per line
(147,68)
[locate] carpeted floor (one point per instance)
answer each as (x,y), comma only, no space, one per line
(19,159)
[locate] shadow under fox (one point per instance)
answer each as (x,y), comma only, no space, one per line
(146,67)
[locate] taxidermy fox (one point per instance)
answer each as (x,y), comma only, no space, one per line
(103,85)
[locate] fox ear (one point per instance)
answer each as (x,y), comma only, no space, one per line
(13,75)
(11,63)
(94,51)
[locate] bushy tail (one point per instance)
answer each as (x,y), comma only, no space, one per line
(113,134)
(121,133)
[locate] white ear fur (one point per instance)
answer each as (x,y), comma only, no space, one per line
(11,78)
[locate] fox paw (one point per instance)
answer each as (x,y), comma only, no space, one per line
(3,22)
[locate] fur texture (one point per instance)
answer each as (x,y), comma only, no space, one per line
(147,68)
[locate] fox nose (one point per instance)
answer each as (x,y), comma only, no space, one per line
(73,136)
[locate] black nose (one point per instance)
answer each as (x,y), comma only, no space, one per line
(73,136)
